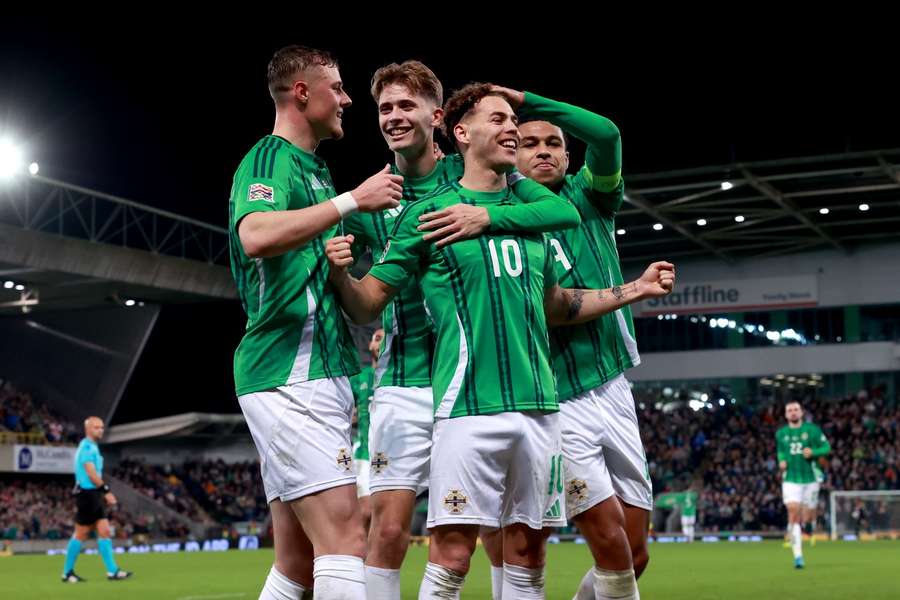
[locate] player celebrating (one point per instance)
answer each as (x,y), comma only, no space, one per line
(292,364)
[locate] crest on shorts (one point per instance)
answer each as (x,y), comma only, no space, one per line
(577,490)
(379,463)
(344,459)
(262,192)
(455,501)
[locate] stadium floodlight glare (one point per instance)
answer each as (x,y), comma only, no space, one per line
(10,158)
(33,168)
(657,227)
(726,185)
(9,285)
(20,288)
(129,303)
(864,207)
(739,219)
(701,222)
(620,232)
(824,211)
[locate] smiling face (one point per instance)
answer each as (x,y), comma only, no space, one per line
(542,153)
(407,120)
(488,134)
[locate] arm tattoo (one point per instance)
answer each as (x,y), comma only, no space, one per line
(575,304)
(618,292)
(600,295)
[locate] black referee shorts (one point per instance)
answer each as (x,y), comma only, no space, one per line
(89,506)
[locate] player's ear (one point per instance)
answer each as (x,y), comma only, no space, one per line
(461,133)
(301,91)
(437,116)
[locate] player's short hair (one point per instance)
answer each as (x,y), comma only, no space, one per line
(411,74)
(289,61)
(461,102)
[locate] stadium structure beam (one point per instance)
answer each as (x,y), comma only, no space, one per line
(765,188)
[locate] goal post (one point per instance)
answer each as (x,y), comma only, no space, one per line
(873,514)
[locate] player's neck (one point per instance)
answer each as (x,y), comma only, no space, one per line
(297,130)
(482,178)
(795,426)
(419,165)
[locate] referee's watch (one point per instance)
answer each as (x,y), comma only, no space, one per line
(105,488)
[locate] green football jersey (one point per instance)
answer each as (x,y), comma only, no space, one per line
(686,500)
(790,442)
(295,330)
(588,355)
(408,347)
(484,297)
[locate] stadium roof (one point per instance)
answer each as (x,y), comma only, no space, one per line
(184,425)
(765,208)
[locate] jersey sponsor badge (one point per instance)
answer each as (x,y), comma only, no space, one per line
(316,183)
(259,192)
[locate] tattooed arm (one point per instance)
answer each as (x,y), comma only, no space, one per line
(564,306)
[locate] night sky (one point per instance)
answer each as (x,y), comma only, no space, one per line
(164,116)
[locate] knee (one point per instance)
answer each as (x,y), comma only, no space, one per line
(528,551)
(455,557)
(389,533)
(607,533)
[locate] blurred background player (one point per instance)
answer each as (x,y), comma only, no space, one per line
(799,445)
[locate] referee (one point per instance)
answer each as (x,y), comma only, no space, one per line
(91,495)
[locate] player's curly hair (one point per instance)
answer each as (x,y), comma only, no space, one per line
(461,102)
